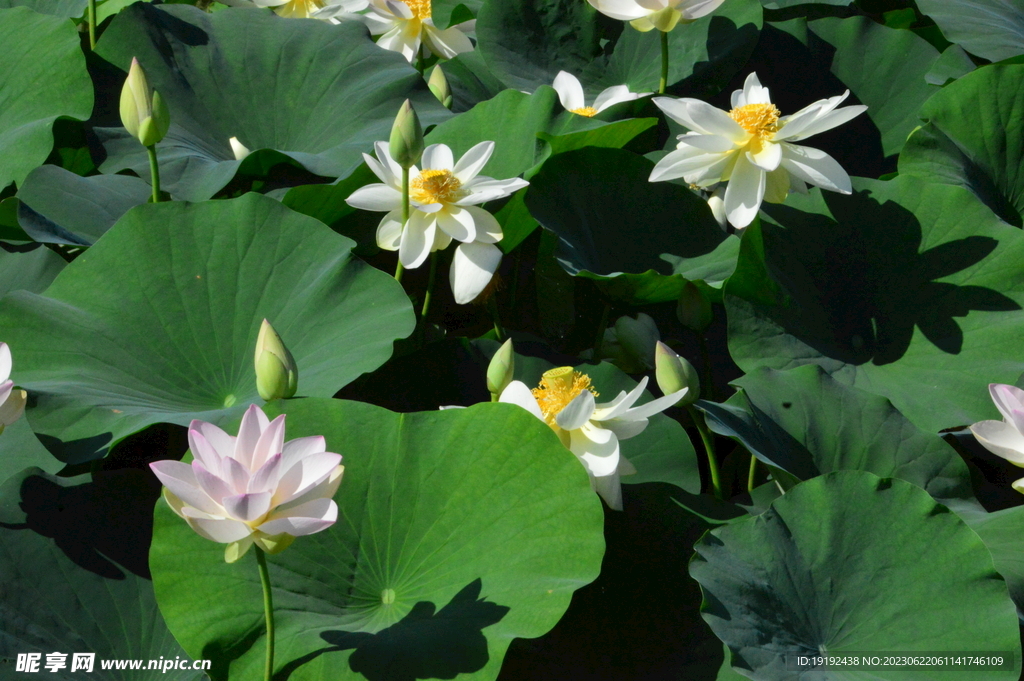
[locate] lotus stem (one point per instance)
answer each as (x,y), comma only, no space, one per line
(430,286)
(268,611)
(92,25)
(419,61)
(752,473)
(663,83)
(709,448)
(154,172)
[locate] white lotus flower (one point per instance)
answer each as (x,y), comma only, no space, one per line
(255,488)
(406,26)
(663,15)
(303,9)
(1005,438)
(570,93)
(752,148)
(443,197)
(591,431)
(12,400)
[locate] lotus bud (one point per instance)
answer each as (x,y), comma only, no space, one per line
(637,337)
(143,112)
(500,370)
(238,149)
(438,84)
(674,373)
(694,309)
(406,143)
(277,375)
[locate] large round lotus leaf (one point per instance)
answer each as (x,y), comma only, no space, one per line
(974,138)
(58,206)
(38,49)
(993,29)
(661,453)
(65,9)
(317,93)
(807,423)
(1003,534)
(29,268)
(73,557)
(909,290)
(853,563)
(457,531)
(613,224)
(527,43)
(111,348)
(885,68)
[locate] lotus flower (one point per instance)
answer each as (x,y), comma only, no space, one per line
(591,431)
(1005,438)
(570,94)
(664,15)
(12,400)
(255,488)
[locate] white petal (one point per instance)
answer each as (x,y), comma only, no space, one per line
(417,239)
(686,161)
(446,43)
(570,92)
(398,40)
(814,166)
(179,478)
(615,95)
(625,429)
(1009,400)
(304,474)
(518,393)
(473,266)
(473,161)
(271,441)
(253,423)
(744,192)
(653,407)
(212,486)
(490,190)
(5,362)
(754,92)
(268,476)
(375,197)
(221,531)
(577,412)
(1002,439)
(609,488)
(389,231)
(620,404)
(392,170)
(821,123)
(708,143)
(399,9)
(623,10)
(13,405)
(247,507)
(695,9)
(488,230)
(438,157)
(299,448)
(702,117)
(598,448)
(203,450)
(458,223)
(308,518)
(324,488)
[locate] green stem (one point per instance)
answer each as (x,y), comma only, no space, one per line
(398,271)
(419,61)
(154,172)
(268,611)
(709,448)
(430,286)
(753,472)
(664,63)
(599,336)
(405,218)
(492,307)
(92,25)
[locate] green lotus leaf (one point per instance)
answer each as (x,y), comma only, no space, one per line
(993,29)
(526,44)
(58,206)
(457,531)
(953,63)
(661,453)
(905,289)
(65,9)
(316,93)
(974,138)
(807,423)
(28,268)
(76,580)
(885,68)
(851,563)
(43,77)
(444,13)
(1003,534)
(642,240)
(109,349)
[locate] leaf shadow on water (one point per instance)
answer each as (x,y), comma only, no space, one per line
(855,290)
(425,644)
(102,526)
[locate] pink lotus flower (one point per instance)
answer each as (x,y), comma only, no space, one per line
(1005,438)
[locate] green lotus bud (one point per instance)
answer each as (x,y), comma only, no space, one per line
(674,373)
(406,143)
(694,309)
(637,337)
(277,375)
(238,149)
(143,111)
(438,84)
(501,368)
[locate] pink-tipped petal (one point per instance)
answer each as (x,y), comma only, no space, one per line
(308,518)
(248,507)
(179,478)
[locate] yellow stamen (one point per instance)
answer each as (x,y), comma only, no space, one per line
(436,186)
(587,111)
(420,8)
(760,120)
(558,387)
